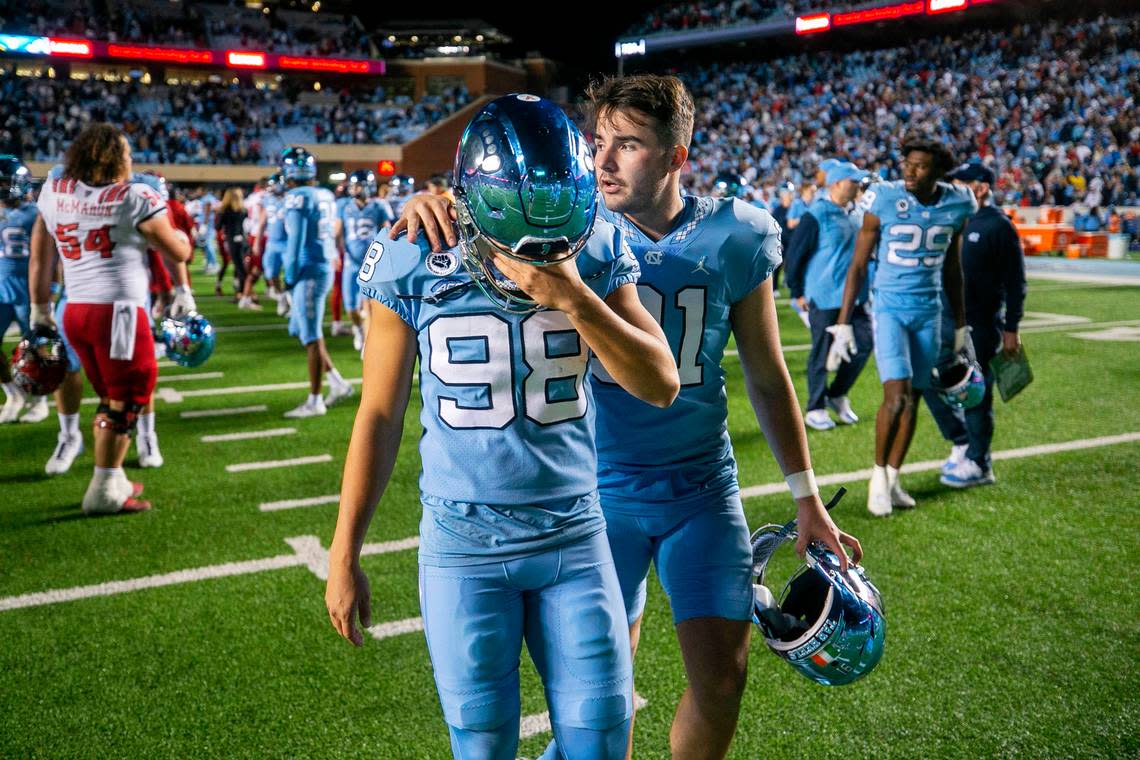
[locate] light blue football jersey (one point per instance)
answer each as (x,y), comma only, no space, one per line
(274,219)
(719,252)
(508,415)
(15,243)
(310,249)
(826,272)
(914,238)
(360,226)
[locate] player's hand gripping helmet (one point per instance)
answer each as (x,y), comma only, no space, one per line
(275,183)
(362,184)
(39,362)
(189,339)
(960,382)
(827,624)
(297,164)
(525,188)
(15,179)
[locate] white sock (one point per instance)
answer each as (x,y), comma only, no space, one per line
(107,474)
(336,324)
(146,424)
(69,424)
(892,475)
(12,390)
(314,399)
(878,472)
(335,378)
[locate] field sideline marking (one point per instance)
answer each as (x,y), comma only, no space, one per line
(191,376)
(109,588)
(312,501)
(275,463)
(206,572)
(224,412)
(270,433)
(382,631)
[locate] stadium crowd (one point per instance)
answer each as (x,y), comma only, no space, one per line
(1051,108)
(207,122)
(677,17)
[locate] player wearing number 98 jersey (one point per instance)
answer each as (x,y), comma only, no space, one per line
(512,538)
(913,227)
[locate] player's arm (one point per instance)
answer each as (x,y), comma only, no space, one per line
(338,233)
(952,280)
(172,243)
(865,243)
(40,268)
(389,357)
(296,226)
(259,228)
(774,401)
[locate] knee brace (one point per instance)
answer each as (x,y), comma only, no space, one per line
(121,422)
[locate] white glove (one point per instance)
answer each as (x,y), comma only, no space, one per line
(183,302)
(963,344)
(41,314)
(843,346)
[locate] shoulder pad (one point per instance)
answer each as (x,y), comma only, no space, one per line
(604,245)
(760,220)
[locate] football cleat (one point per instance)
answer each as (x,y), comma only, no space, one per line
(67,448)
(818,419)
(957,455)
(189,339)
(357,338)
(308,409)
(829,625)
(37,412)
(525,189)
(284,304)
(967,474)
(148,451)
(39,362)
(900,499)
(841,405)
(338,391)
(14,404)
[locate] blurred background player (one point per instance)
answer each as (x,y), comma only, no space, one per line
(361,217)
(307,265)
(255,215)
(993,276)
(913,226)
(17,217)
(207,228)
(270,235)
(818,257)
(101,225)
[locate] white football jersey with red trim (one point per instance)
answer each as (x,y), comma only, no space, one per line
(96,233)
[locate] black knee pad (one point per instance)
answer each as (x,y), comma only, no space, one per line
(121,422)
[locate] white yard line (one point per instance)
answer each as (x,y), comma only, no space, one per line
(191,376)
(273,464)
(308,551)
(224,412)
(933,464)
(395,628)
(271,433)
(1045,318)
(312,501)
(533,725)
(1122,334)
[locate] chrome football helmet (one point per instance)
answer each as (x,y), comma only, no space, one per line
(154,181)
(15,179)
(524,188)
(39,362)
(189,339)
(828,625)
(297,164)
(275,183)
(362,183)
(960,382)
(728,186)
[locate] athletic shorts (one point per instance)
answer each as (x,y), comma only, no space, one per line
(308,310)
(699,541)
(349,289)
(906,344)
(271,259)
(565,602)
(89,330)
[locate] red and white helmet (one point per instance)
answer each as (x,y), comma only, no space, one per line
(39,362)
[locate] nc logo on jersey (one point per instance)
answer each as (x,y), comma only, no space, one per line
(442,264)
(654,257)
(974,237)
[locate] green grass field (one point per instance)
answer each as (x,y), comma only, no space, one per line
(1014,625)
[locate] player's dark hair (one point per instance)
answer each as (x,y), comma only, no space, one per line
(663,98)
(98,156)
(943,158)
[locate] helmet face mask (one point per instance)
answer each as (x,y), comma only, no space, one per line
(361,184)
(15,179)
(960,382)
(275,183)
(39,362)
(525,189)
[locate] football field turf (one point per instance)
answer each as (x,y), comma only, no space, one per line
(198,630)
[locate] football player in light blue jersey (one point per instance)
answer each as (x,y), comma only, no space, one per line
(667,477)
(358,222)
(17,217)
(307,264)
(270,234)
(512,540)
(208,204)
(913,226)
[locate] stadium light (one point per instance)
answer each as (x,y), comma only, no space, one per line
(812,23)
(338,177)
(240,60)
(70,48)
(943,6)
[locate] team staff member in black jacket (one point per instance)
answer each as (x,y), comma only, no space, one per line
(993,271)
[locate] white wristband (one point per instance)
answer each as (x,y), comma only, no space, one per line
(802,484)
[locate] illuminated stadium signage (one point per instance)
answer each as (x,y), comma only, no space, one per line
(151,53)
(240,60)
(942,6)
(816,22)
(306,63)
(70,48)
(884,13)
(18,43)
(623,49)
